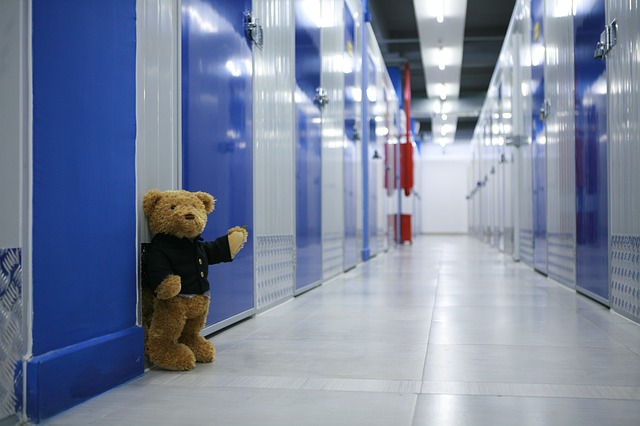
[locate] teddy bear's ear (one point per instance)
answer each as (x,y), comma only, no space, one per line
(150,200)
(208,201)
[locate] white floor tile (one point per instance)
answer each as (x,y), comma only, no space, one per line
(445,332)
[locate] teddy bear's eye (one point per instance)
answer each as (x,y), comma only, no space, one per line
(173,207)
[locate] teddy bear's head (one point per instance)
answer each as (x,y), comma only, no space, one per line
(179,213)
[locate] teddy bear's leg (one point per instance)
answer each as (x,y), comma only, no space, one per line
(196,318)
(147,313)
(163,348)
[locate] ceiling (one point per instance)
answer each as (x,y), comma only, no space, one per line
(474,28)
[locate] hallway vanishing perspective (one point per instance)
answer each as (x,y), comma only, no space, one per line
(447,331)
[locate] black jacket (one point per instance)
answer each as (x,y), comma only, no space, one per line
(190,259)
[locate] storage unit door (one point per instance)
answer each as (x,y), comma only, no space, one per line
(350,152)
(308,147)
(539,139)
(217,138)
(623,126)
(592,227)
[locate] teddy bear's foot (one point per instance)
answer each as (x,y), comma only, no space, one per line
(176,357)
(202,348)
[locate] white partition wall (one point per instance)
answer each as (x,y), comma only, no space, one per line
(505,162)
(500,189)
(14,113)
(158,162)
(623,69)
(274,161)
(560,132)
(377,112)
(443,186)
(332,80)
(355,6)
(522,116)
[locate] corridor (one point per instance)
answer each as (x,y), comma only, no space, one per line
(447,331)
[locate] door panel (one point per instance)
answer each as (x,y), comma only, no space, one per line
(308,147)
(217,137)
(350,153)
(540,249)
(592,258)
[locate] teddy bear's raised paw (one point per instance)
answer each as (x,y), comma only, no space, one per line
(237,237)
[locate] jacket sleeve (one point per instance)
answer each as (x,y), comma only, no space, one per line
(157,268)
(218,251)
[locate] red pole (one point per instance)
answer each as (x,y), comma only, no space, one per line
(407,149)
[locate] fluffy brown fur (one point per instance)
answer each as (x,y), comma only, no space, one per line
(172,323)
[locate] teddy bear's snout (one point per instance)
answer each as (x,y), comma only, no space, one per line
(190,216)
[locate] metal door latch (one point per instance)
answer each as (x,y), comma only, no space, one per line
(545,109)
(253,29)
(322,97)
(608,39)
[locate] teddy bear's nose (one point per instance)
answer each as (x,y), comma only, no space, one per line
(189,216)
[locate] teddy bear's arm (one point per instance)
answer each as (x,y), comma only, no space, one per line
(160,276)
(218,251)
(169,287)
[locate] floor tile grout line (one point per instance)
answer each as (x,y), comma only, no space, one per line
(418,387)
(426,354)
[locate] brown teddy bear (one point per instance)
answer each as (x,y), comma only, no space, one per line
(175,296)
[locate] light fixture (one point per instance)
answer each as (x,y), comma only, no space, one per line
(444,117)
(441,63)
(440,15)
(443,91)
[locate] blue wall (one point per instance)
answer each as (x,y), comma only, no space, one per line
(84,203)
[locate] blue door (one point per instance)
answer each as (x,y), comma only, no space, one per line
(308,147)
(540,248)
(350,151)
(217,137)
(592,259)
(372,189)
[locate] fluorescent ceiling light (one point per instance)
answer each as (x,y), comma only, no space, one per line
(440,13)
(441,61)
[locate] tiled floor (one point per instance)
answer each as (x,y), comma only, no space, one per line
(445,332)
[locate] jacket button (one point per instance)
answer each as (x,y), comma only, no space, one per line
(202,274)
(200,261)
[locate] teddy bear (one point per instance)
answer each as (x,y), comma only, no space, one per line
(175,286)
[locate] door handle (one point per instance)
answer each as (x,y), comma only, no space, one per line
(322,97)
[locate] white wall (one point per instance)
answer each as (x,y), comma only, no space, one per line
(444,188)
(274,153)
(158,153)
(12,120)
(332,80)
